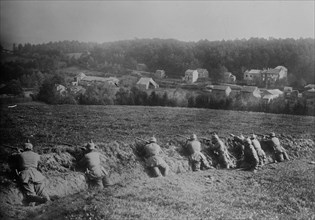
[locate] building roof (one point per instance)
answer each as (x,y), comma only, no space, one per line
(311,86)
(249,89)
(146,81)
(271,71)
(274,91)
(281,67)
(254,71)
(189,71)
(99,79)
(220,87)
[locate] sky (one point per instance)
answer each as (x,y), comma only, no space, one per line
(37,22)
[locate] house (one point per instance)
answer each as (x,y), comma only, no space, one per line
(203,73)
(160,74)
(310,86)
(220,91)
(191,76)
(309,97)
(270,76)
(82,79)
(248,92)
(147,83)
(270,94)
(229,77)
(252,77)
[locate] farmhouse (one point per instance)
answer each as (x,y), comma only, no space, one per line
(271,94)
(270,76)
(203,73)
(309,97)
(248,92)
(147,83)
(83,79)
(310,86)
(191,76)
(220,91)
(252,77)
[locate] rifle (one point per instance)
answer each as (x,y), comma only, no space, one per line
(182,136)
(142,140)
(13,148)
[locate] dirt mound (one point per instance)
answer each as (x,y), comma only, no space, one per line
(124,163)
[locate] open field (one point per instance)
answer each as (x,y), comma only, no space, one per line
(277,191)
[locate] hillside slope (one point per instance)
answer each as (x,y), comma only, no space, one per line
(277,191)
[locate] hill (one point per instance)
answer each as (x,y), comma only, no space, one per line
(283,190)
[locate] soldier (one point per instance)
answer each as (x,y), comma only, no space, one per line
(30,179)
(251,158)
(280,152)
(221,149)
(196,158)
(260,152)
(96,175)
(154,161)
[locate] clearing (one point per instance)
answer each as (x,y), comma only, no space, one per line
(277,191)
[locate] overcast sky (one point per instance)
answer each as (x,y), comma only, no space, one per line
(103,21)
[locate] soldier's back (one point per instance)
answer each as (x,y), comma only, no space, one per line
(193,146)
(92,159)
(152,149)
(29,159)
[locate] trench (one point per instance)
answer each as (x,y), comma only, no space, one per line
(123,161)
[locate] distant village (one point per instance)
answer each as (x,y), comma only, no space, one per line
(256,85)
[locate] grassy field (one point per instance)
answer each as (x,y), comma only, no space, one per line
(278,191)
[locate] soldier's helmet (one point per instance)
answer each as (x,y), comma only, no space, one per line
(254,136)
(90,146)
(152,140)
(193,137)
(28,146)
(215,137)
(248,141)
(242,137)
(272,134)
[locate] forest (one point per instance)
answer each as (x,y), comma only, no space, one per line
(173,56)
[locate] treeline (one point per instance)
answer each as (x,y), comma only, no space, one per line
(106,94)
(175,57)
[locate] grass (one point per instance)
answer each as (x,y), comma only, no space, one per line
(278,191)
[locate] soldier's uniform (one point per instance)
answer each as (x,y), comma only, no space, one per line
(154,161)
(260,152)
(250,156)
(31,180)
(280,152)
(220,148)
(95,173)
(196,158)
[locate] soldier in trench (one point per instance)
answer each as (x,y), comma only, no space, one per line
(219,147)
(251,159)
(153,159)
(280,152)
(31,181)
(196,158)
(260,152)
(97,176)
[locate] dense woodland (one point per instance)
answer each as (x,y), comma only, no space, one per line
(174,56)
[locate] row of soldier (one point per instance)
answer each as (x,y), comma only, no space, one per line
(32,181)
